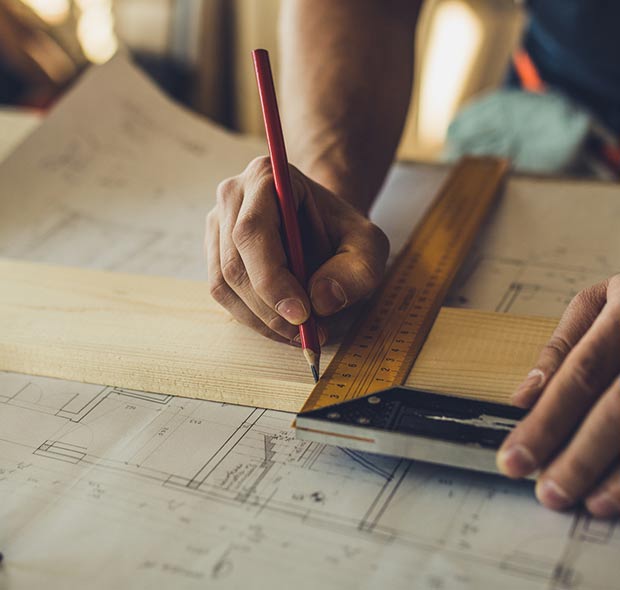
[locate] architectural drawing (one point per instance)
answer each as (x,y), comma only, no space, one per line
(103,487)
(166,462)
(521,286)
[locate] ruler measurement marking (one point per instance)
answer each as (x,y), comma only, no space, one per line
(380,351)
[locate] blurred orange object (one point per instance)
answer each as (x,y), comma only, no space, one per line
(527,72)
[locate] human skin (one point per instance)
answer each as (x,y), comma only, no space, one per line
(572,433)
(346,80)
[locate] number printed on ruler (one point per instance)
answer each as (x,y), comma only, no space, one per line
(381,348)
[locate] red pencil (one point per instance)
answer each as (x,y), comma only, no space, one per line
(279,164)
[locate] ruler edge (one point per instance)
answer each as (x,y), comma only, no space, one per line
(503,170)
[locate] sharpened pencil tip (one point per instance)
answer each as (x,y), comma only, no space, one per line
(313,362)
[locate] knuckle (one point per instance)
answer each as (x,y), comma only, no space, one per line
(587,375)
(220,291)
(246,230)
(272,281)
(557,347)
(259,166)
(226,190)
(263,284)
(233,271)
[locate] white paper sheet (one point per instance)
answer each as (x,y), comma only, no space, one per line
(107,488)
(15,124)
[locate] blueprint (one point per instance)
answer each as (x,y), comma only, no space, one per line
(103,487)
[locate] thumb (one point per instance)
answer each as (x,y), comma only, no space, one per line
(353,273)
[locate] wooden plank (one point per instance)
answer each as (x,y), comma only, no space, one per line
(479,354)
(381,349)
(168,336)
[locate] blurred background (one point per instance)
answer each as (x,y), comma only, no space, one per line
(198,52)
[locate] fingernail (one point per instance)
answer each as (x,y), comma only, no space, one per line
(535,378)
(552,495)
(327,296)
(516,461)
(292,310)
(603,505)
(533,381)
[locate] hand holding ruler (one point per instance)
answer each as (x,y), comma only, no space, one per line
(378,353)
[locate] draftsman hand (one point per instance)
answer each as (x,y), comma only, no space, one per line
(247,266)
(572,433)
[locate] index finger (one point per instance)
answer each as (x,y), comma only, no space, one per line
(585,374)
(257,236)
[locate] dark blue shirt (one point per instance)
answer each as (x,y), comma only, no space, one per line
(576,46)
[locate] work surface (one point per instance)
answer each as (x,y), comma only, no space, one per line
(167,335)
(104,487)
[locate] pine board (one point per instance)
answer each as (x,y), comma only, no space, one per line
(168,336)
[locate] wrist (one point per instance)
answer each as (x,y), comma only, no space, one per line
(343,182)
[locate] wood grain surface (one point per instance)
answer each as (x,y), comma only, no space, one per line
(168,336)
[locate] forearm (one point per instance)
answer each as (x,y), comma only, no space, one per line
(347,70)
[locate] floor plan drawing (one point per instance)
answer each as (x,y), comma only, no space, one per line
(520,286)
(187,460)
(103,487)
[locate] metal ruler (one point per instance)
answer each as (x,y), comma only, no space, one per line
(415,424)
(381,348)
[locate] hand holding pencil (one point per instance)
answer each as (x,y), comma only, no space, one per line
(249,270)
